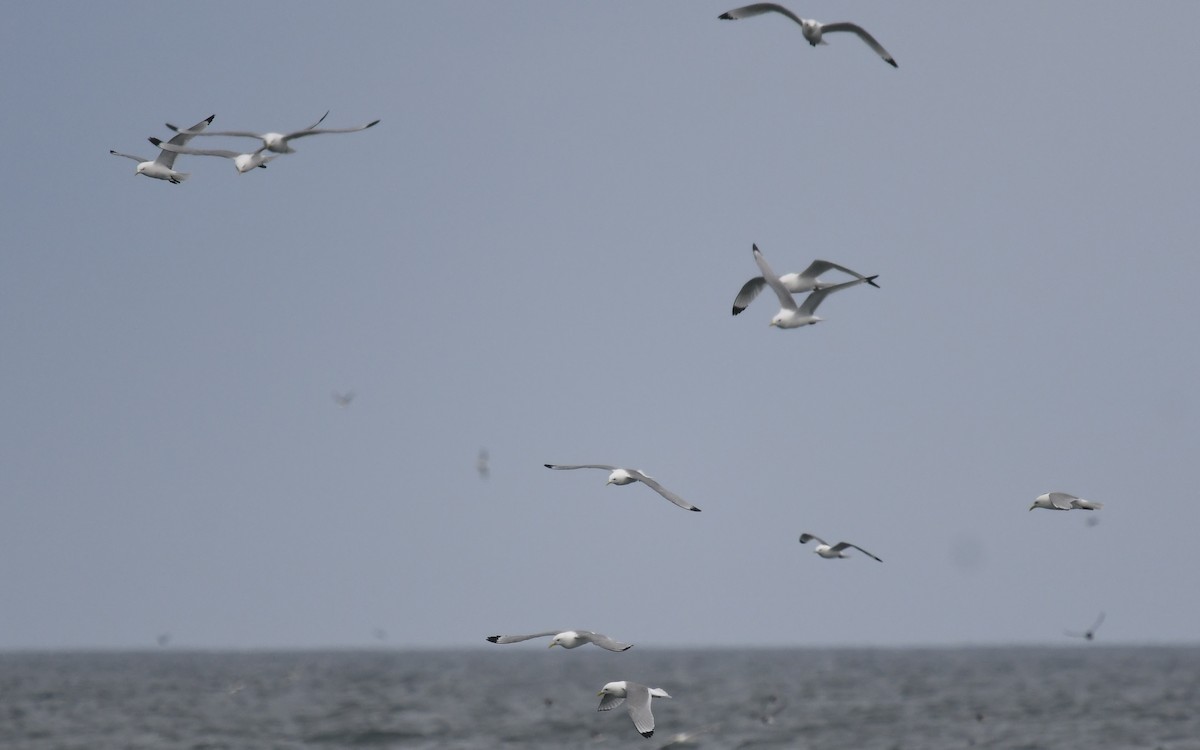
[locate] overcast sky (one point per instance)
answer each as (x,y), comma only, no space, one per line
(535,252)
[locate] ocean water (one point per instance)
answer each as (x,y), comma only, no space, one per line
(525,696)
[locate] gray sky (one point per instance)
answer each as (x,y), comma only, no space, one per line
(535,252)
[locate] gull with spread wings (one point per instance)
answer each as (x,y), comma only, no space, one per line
(814,31)
(629,476)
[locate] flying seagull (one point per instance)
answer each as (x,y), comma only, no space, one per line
(790,315)
(482,464)
(162,167)
(806,281)
(638,695)
(1088,634)
(566,639)
(278,142)
(813,30)
(1064,501)
(242,162)
(343,399)
(628,476)
(824,549)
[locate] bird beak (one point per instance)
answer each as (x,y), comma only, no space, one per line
(552,644)
(1031,507)
(600,693)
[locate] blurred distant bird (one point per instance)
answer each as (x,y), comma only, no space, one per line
(566,639)
(481,463)
(685,738)
(1063,501)
(241,162)
(813,30)
(343,399)
(629,476)
(615,693)
(380,634)
(824,549)
(162,167)
(279,142)
(790,315)
(1088,634)
(163,639)
(796,283)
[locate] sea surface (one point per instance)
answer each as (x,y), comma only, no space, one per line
(526,696)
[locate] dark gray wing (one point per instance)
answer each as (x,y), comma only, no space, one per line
(772,280)
(862,34)
(814,299)
(805,538)
(581,466)
(639,707)
(747,293)
(757,9)
(654,485)
(311,131)
(167,158)
(127,156)
(843,545)
(603,641)
(519,638)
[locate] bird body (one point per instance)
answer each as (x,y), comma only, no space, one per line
(814,31)
(162,167)
(807,280)
(279,143)
(242,162)
(790,314)
(621,476)
(833,551)
(566,639)
(638,696)
(1064,501)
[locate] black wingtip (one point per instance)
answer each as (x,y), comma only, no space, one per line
(493,638)
(372,124)
(648,734)
(737,310)
(694,510)
(893,63)
(172,127)
(548,466)
(726,17)
(871,280)
(209,119)
(627,647)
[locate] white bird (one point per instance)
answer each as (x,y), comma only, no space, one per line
(615,693)
(790,315)
(566,639)
(828,551)
(1088,634)
(1064,501)
(629,476)
(796,283)
(163,166)
(278,142)
(242,162)
(813,30)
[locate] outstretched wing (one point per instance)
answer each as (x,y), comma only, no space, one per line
(127,156)
(814,299)
(167,158)
(747,293)
(843,545)
(312,131)
(639,708)
(654,485)
(168,146)
(805,538)
(772,280)
(818,267)
(519,638)
(603,641)
(863,35)
(606,467)
(757,9)
(609,701)
(1062,500)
